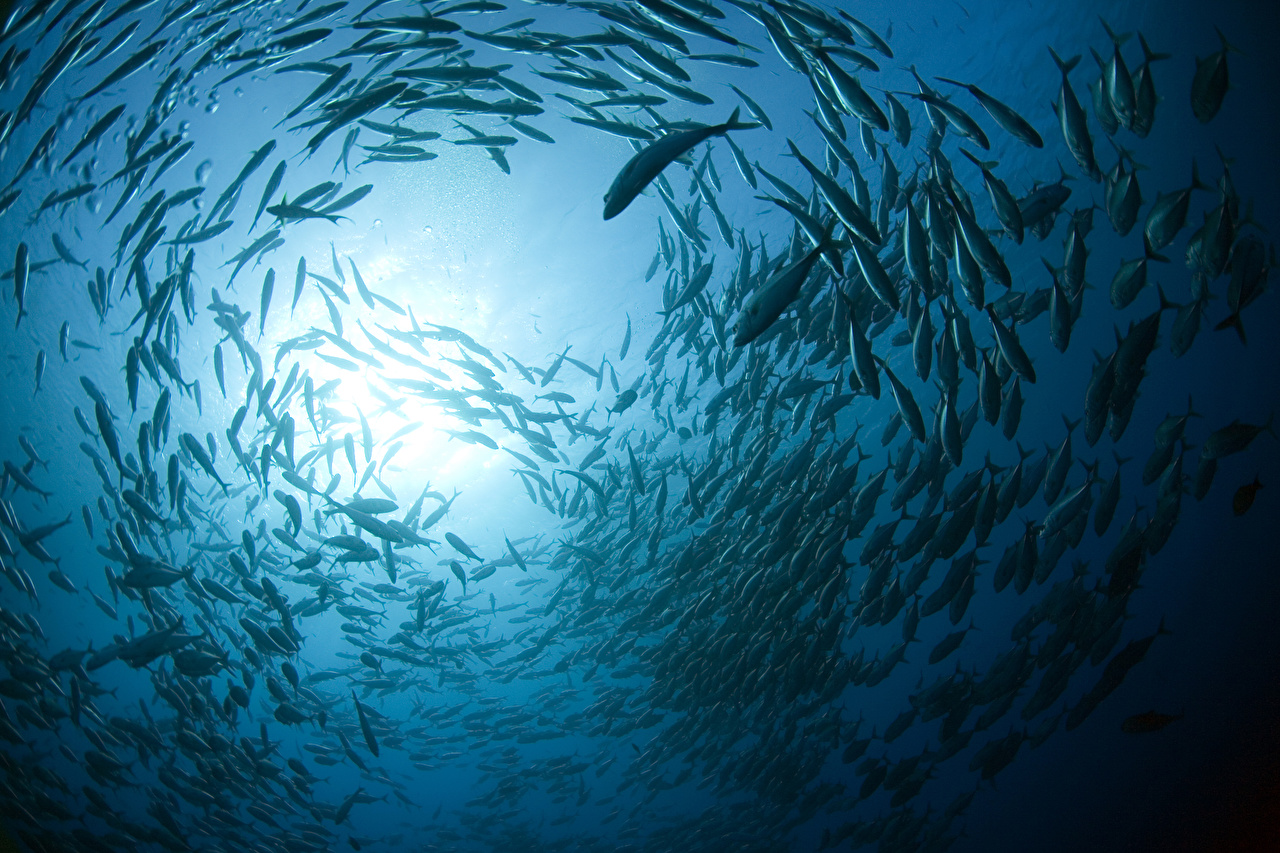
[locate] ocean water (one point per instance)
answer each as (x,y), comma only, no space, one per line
(689,656)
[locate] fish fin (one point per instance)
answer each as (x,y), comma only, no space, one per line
(733,122)
(1149,55)
(1196,183)
(1064,67)
(1116,39)
(1226,45)
(984,165)
(1249,220)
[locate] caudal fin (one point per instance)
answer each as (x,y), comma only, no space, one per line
(1233,322)
(1064,66)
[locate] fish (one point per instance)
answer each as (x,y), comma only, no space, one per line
(650,161)
(1210,83)
(1074,123)
(963,123)
(273,184)
(1011,348)
(369,739)
(1014,124)
(1002,200)
(1249,269)
(95,132)
(21,270)
(1244,496)
(770,300)
(1233,438)
(1168,214)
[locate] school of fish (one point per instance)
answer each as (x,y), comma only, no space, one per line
(731,565)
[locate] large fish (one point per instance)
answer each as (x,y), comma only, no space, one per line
(650,161)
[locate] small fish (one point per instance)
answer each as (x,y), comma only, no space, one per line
(1075,124)
(462,547)
(21,270)
(369,740)
(1005,116)
(40,364)
(286,212)
(1210,84)
(1010,348)
(624,402)
(1243,498)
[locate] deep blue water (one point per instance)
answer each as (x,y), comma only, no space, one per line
(554,715)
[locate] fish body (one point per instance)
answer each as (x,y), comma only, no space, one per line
(771,299)
(1244,496)
(21,271)
(1233,438)
(1210,83)
(1011,348)
(650,161)
(1005,116)
(1074,122)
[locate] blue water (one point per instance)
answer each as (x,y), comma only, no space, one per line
(523,263)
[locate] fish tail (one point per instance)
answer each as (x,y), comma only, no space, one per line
(1196,183)
(1064,66)
(1226,45)
(973,159)
(1149,55)
(1233,321)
